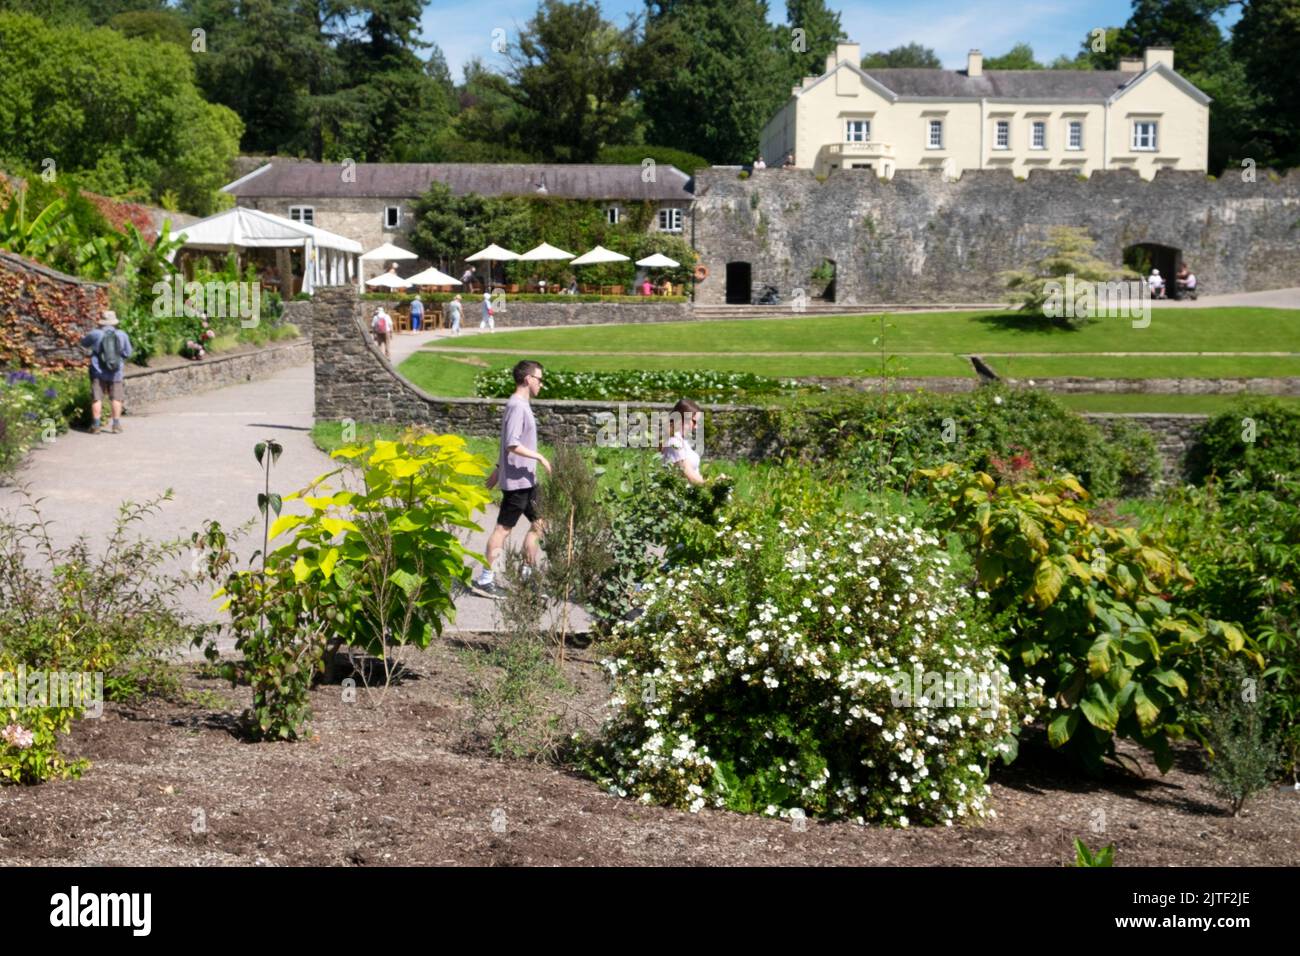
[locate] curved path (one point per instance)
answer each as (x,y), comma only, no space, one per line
(201,447)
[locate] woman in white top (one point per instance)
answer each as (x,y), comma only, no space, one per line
(676,449)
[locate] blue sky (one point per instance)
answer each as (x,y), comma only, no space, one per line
(464,28)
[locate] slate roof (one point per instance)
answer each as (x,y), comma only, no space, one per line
(410,180)
(1006,84)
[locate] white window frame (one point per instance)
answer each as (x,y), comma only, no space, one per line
(865,131)
(1072,127)
(303,214)
(672,215)
(934,126)
(1038,135)
(1140,140)
(613,214)
(398,217)
(1002,134)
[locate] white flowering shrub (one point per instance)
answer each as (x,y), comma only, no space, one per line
(825,670)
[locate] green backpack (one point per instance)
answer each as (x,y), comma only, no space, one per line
(110,351)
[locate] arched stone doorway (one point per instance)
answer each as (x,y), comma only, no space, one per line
(740,283)
(823,281)
(1145,256)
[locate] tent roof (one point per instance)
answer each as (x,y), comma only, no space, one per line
(255,229)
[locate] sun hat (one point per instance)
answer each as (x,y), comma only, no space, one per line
(108,317)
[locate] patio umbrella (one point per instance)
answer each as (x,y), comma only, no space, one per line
(658,261)
(432,276)
(598,255)
(545,252)
(389,280)
(388,252)
(492,253)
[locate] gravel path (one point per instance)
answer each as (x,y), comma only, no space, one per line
(201,447)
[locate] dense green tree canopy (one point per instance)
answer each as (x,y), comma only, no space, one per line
(912,55)
(124,114)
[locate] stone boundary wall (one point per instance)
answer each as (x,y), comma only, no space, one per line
(355,381)
(1082,386)
(921,238)
(44,313)
(147,386)
(1174,434)
(525,314)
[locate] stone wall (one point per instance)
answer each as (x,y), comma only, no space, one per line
(146,386)
(44,314)
(521,313)
(1174,435)
(920,238)
(1080,386)
(354,381)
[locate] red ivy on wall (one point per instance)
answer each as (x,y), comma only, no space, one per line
(42,319)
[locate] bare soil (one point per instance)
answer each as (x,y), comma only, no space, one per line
(390,781)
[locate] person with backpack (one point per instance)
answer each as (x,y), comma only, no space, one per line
(109,347)
(382,327)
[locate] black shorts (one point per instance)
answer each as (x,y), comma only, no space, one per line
(519,501)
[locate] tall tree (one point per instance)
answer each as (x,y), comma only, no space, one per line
(811,31)
(913,55)
(1265,41)
(731,80)
(573,74)
(1186,25)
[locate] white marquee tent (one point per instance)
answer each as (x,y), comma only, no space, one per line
(329,259)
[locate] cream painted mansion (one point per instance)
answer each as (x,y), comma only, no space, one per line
(1143,116)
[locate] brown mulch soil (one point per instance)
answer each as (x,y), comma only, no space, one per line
(395,782)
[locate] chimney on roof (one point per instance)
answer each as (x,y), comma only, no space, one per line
(1130,65)
(844,51)
(974,63)
(1158,54)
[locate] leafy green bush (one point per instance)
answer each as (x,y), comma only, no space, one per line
(1067,252)
(647,385)
(1260,437)
(650,517)
(885,438)
(69,609)
(1243,548)
(34,406)
(367,568)
(780,677)
(1091,609)
(1243,754)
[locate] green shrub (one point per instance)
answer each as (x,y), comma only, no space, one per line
(652,515)
(646,385)
(1097,611)
(1243,548)
(69,609)
(1067,252)
(29,741)
(1260,437)
(34,406)
(368,568)
(1243,754)
(885,438)
(779,678)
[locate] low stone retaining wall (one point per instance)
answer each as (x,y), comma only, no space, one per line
(1078,386)
(520,313)
(1174,434)
(145,386)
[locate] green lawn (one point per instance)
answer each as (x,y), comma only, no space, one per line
(852,344)
(1171,330)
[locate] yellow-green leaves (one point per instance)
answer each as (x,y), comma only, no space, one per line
(1047,582)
